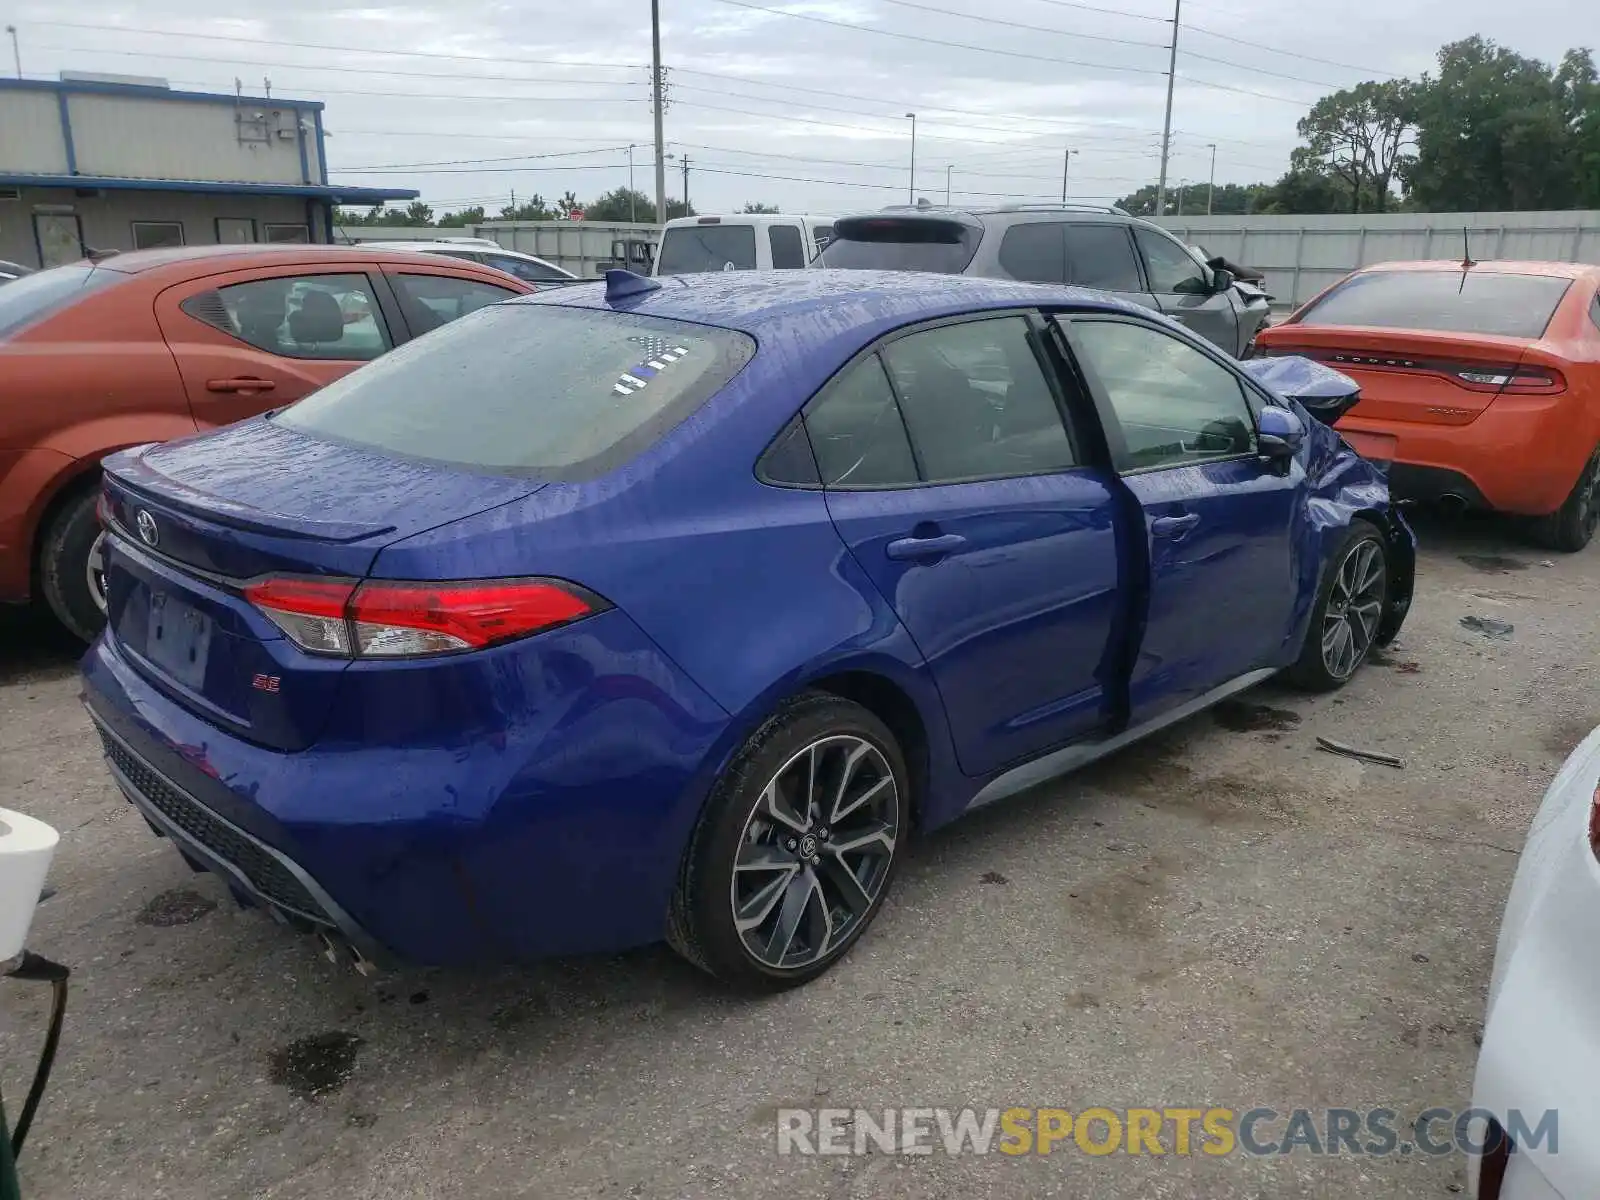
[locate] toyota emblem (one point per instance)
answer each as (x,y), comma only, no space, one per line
(146,524)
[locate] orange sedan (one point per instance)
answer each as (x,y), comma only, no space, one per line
(1480,383)
(159,344)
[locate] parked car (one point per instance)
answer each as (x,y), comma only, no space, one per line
(157,344)
(1101,248)
(642,611)
(1541,1034)
(740,242)
(11,270)
(480,250)
(1480,382)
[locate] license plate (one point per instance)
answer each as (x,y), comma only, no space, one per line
(179,639)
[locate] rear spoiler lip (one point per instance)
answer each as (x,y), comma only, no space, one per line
(128,471)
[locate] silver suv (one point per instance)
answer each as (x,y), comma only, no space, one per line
(1107,249)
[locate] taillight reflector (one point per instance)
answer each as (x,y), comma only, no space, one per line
(393,619)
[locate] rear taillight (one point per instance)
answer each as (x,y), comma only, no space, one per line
(1536,381)
(392,619)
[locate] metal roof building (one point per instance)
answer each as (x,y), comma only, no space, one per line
(95,163)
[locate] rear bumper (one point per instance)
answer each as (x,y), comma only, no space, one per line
(545,816)
(1521,455)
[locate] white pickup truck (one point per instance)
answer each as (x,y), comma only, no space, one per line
(741,242)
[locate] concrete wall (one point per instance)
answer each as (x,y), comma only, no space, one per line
(1301,255)
(107,219)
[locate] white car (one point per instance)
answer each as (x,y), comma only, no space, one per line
(480,250)
(1541,1037)
(741,242)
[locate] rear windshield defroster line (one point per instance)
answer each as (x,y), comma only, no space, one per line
(529,389)
(1490,303)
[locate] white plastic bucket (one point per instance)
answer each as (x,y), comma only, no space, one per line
(26,847)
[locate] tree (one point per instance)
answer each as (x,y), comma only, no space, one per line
(418,213)
(1363,136)
(1230,199)
(621,204)
(465,216)
(567,205)
(757,207)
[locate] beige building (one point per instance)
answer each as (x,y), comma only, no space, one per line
(107,163)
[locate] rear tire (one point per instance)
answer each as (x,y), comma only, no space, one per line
(1349,609)
(1570,528)
(796,849)
(69,540)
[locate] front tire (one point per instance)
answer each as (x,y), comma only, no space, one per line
(1570,528)
(1349,609)
(67,575)
(797,847)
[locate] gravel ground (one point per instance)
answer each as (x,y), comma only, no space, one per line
(1223,916)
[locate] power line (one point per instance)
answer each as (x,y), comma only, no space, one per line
(989,19)
(462,162)
(1327,62)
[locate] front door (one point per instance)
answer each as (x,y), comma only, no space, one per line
(248,341)
(1218,519)
(1182,286)
(953,480)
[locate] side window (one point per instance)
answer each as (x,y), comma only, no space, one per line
(298,316)
(1170,267)
(977,403)
(1175,404)
(430,301)
(1035,252)
(529,272)
(789,459)
(787,252)
(1099,255)
(856,431)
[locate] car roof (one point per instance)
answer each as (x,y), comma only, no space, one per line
(736,219)
(819,300)
(137,261)
(1557,270)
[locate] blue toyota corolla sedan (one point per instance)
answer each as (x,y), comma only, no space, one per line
(670,609)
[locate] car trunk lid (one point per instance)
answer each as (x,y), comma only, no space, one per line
(193,520)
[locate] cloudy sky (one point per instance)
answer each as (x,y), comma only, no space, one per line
(800,103)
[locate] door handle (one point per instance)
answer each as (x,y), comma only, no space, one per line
(902,549)
(1175,528)
(240,385)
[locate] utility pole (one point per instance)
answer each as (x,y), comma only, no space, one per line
(948,168)
(911,189)
(1211,188)
(16,52)
(1166,125)
(1182,183)
(1066,165)
(685,161)
(656,99)
(633,196)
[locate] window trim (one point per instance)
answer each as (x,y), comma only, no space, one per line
(1084,450)
(135,226)
(1111,425)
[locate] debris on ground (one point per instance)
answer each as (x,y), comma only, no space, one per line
(1372,756)
(1488,626)
(1409,668)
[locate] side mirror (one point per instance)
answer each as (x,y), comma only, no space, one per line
(1221,279)
(1279,434)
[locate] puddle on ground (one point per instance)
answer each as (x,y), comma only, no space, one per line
(315,1066)
(1240,717)
(1493,564)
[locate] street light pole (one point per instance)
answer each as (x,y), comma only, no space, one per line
(656,103)
(1211,188)
(911,189)
(633,203)
(948,168)
(16,52)
(1166,125)
(1066,165)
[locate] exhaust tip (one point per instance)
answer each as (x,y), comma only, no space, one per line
(1453,503)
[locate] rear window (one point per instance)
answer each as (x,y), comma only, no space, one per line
(33,297)
(528,389)
(689,249)
(1470,301)
(891,244)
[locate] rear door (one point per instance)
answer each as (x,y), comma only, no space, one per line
(247,341)
(1218,519)
(952,477)
(1095,255)
(1182,286)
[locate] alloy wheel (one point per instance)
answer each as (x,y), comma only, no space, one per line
(815,852)
(95,573)
(1355,606)
(1589,500)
